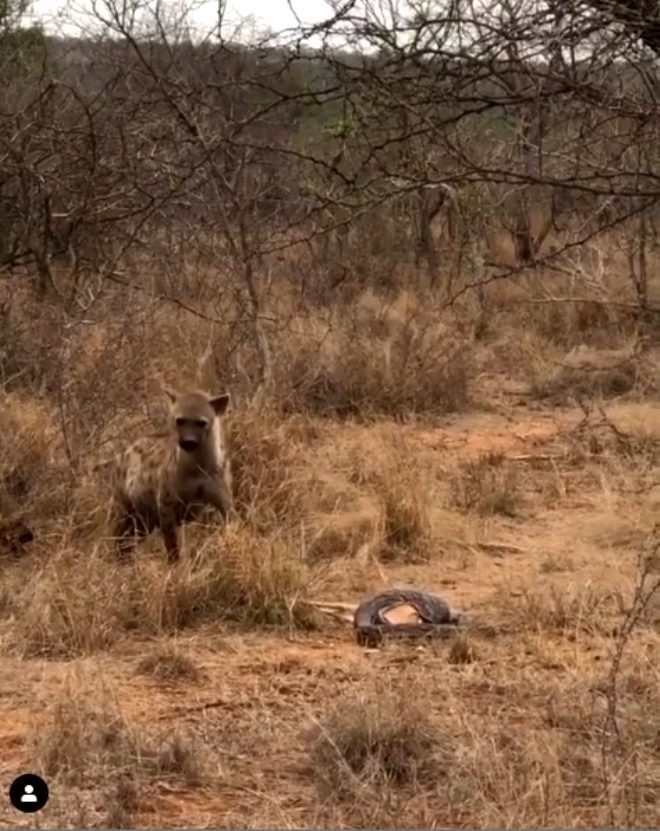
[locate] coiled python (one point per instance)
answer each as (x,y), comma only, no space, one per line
(435,618)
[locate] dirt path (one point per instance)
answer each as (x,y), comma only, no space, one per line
(489,433)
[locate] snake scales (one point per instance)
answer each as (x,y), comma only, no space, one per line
(436,617)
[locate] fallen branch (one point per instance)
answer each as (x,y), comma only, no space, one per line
(501,548)
(534,457)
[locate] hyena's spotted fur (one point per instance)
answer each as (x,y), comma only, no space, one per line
(162,481)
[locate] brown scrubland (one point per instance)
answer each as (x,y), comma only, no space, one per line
(417,399)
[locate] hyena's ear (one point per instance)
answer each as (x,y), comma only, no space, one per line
(170,392)
(220,403)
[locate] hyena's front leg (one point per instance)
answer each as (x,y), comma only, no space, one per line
(219,496)
(170,533)
(125,532)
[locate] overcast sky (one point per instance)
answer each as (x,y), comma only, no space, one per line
(273,13)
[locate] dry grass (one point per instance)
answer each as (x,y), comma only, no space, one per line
(84,739)
(462,651)
(86,743)
(31,470)
(375,741)
(490,746)
(389,450)
(81,602)
(552,609)
(394,488)
(405,493)
(168,663)
(270,481)
(371,358)
(589,373)
(487,485)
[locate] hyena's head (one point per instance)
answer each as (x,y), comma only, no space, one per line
(195,417)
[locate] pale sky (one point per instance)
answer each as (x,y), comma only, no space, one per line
(67,15)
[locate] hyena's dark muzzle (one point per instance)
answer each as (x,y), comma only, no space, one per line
(191,433)
(188,444)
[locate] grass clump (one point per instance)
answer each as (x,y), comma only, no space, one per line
(586,609)
(235,575)
(487,485)
(30,473)
(405,496)
(372,742)
(596,374)
(395,493)
(72,606)
(167,663)
(268,478)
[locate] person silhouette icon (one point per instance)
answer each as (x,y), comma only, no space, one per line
(29,795)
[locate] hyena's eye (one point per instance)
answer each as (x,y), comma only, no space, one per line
(201,423)
(180,422)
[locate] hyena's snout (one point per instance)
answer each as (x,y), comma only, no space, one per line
(188,443)
(190,434)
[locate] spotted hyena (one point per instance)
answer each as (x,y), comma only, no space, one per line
(163,481)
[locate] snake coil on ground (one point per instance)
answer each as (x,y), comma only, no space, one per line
(437,618)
